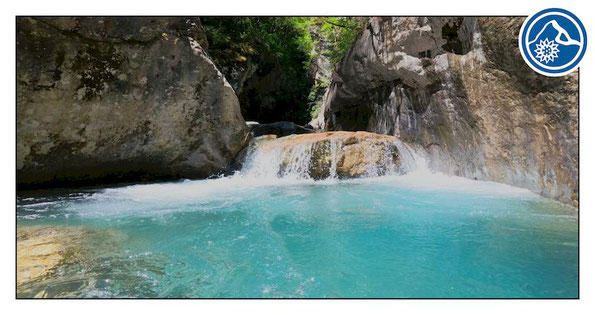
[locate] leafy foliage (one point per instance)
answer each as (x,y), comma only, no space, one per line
(339,34)
(268,60)
(333,37)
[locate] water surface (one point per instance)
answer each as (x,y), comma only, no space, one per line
(393,236)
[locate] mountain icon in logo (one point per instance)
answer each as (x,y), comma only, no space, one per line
(552,42)
(548,40)
(562,36)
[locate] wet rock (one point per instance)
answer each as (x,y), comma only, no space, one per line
(102,100)
(38,252)
(280,129)
(459,88)
(42,249)
(330,154)
(64,261)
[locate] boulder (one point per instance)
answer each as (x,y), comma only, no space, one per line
(110,99)
(327,155)
(279,128)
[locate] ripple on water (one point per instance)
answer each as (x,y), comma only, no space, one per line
(235,237)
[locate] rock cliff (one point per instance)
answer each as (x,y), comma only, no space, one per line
(120,98)
(458,88)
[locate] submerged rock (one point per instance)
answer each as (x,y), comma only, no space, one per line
(110,99)
(64,261)
(459,88)
(42,249)
(324,155)
(39,250)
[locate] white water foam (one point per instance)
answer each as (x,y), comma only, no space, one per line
(263,170)
(261,175)
(416,174)
(275,159)
(266,163)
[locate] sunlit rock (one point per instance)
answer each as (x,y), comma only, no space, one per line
(324,155)
(459,88)
(127,98)
(43,249)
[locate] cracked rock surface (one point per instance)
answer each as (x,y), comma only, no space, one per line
(120,98)
(459,89)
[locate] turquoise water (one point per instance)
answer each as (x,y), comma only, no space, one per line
(389,237)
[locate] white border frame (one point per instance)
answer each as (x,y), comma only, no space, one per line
(287,307)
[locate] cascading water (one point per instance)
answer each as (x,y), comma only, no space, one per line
(333,149)
(412,160)
(275,161)
(330,157)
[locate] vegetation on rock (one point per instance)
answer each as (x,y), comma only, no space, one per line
(272,62)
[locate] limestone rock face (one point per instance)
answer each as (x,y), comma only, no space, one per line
(459,88)
(120,98)
(329,154)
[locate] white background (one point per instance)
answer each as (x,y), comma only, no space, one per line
(583,9)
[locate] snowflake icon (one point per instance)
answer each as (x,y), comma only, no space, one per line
(547,50)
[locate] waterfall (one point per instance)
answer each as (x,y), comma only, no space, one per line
(333,170)
(412,160)
(334,155)
(269,160)
(284,159)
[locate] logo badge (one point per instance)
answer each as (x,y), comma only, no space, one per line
(553,42)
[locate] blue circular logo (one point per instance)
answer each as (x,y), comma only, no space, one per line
(553,42)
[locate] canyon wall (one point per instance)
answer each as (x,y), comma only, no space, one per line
(459,89)
(118,99)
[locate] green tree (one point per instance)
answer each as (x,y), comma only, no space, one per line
(251,50)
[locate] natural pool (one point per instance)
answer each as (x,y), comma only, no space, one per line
(404,236)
